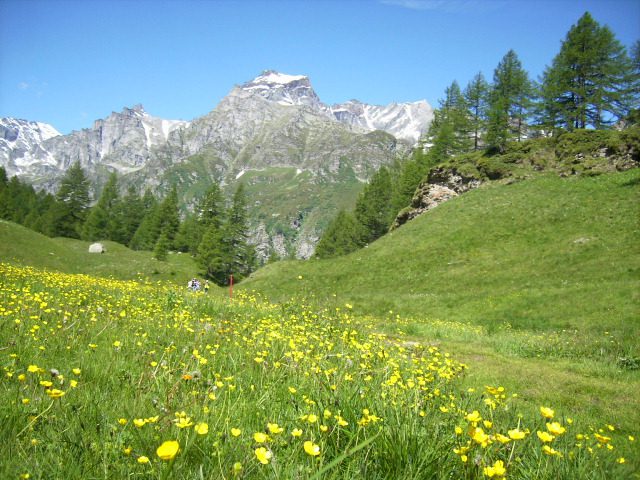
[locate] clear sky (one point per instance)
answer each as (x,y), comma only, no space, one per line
(70,62)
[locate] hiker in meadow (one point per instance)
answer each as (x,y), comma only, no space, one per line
(206,286)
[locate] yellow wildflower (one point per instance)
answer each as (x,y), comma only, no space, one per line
(201,428)
(55,393)
(263,455)
(311,448)
(545,436)
(547,412)
(555,428)
(260,437)
(168,450)
(497,470)
(550,451)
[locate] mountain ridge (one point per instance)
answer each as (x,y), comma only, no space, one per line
(275,121)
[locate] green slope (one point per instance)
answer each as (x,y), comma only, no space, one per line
(22,246)
(547,253)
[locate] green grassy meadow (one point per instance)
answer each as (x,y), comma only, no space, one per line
(493,337)
(23,246)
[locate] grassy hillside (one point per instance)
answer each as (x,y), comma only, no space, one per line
(20,245)
(536,285)
(541,254)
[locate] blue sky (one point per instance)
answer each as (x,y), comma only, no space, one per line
(70,62)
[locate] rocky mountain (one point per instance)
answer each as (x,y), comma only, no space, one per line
(300,159)
(405,121)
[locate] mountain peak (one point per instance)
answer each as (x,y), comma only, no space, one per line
(283,88)
(274,78)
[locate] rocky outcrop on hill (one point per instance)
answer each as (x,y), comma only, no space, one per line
(441,185)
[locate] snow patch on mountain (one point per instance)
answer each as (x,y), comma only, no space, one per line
(16,134)
(284,89)
(406,121)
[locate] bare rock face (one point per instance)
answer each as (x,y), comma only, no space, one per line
(441,185)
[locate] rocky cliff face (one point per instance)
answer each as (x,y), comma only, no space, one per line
(441,185)
(273,133)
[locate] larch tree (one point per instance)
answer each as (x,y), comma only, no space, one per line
(476,95)
(510,99)
(590,81)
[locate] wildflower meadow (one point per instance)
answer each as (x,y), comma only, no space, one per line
(115,379)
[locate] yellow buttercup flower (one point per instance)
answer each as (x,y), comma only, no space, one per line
(516,434)
(555,428)
(311,448)
(55,393)
(497,470)
(547,412)
(274,428)
(142,459)
(545,437)
(550,451)
(296,432)
(263,455)
(168,450)
(260,437)
(473,417)
(236,432)
(201,428)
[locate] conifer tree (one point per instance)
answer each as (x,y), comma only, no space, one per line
(476,95)
(343,235)
(168,217)
(103,221)
(214,255)
(405,184)
(211,207)
(590,81)
(237,231)
(69,214)
(509,102)
(374,210)
(161,249)
(145,237)
(130,211)
(450,129)
(189,235)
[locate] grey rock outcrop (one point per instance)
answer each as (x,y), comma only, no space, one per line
(441,185)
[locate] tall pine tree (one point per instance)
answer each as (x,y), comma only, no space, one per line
(449,131)
(343,235)
(69,213)
(374,209)
(103,221)
(237,231)
(590,81)
(509,102)
(476,95)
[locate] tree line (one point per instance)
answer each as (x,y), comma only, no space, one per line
(215,233)
(591,83)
